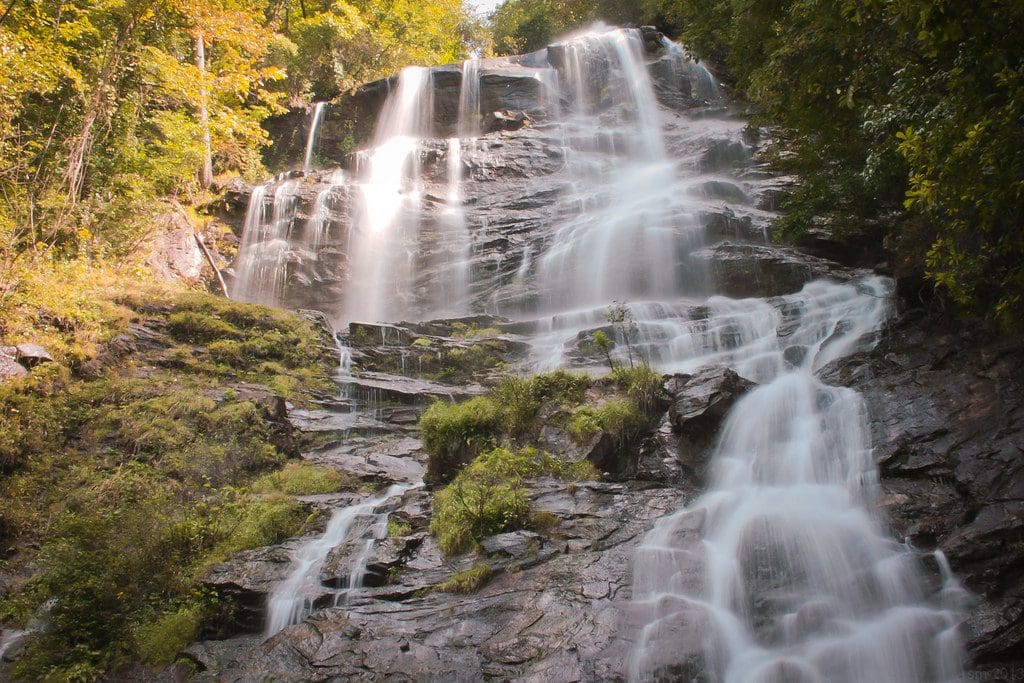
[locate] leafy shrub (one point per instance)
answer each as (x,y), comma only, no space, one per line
(620,418)
(642,383)
(160,640)
(488,496)
(447,429)
(521,397)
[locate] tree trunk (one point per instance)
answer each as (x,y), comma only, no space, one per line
(206,173)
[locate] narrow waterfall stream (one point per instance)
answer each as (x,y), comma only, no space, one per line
(302,592)
(607,191)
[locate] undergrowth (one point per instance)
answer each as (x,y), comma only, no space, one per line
(132,475)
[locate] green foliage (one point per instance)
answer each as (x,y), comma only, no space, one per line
(448,427)
(132,484)
(301,479)
(907,113)
(488,496)
(604,345)
(158,642)
(642,384)
(521,397)
(467,581)
(621,419)
(398,529)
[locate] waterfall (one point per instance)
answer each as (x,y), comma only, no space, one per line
(469,100)
(454,290)
(261,264)
(782,570)
(320,218)
(386,232)
(314,128)
(301,593)
(625,189)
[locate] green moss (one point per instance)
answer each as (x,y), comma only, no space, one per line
(467,581)
(133,483)
(199,328)
(256,522)
(301,479)
(398,529)
(623,419)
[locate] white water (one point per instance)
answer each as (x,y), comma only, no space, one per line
(630,231)
(314,128)
(469,100)
(383,245)
(293,599)
(261,264)
(782,570)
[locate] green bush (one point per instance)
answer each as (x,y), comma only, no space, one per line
(643,384)
(159,641)
(622,419)
(448,427)
(488,497)
(521,397)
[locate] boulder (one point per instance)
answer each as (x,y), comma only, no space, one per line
(699,404)
(10,367)
(31,355)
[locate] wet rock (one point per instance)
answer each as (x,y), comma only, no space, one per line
(699,404)
(516,544)
(758,270)
(511,89)
(562,615)
(242,585)
(505,120)
(379,559)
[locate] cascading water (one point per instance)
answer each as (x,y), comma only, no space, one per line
(469,100)
(383,247)
(314,128)
(781,571)
(296,597)
(260,266)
